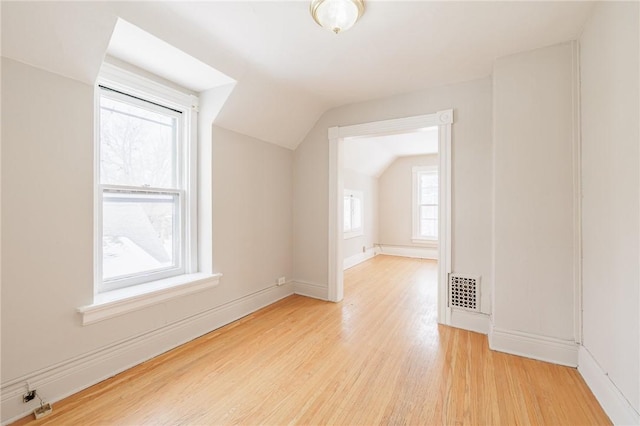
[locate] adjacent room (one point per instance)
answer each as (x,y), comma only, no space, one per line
(320,212)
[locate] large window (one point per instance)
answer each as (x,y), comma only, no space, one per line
(353,213)
(145,185)
(425,202)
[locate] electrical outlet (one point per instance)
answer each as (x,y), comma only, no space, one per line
(28,396)
(282,281)
(43,410)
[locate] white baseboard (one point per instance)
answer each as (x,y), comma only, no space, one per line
(472,321)
(357,258)
(66,378)
(528,345)
(406,251)
(608,395)
(308,289)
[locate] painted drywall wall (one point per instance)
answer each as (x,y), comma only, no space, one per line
(396,200)
(369,187)
(47,213)
(252,180)
(534,193)
(472,165)
(610,205)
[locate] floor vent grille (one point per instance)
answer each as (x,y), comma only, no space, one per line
(464,292)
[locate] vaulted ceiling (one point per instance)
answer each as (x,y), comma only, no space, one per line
(289,70)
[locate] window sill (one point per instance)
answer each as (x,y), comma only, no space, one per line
(349,235)
(117,302)
(425,242)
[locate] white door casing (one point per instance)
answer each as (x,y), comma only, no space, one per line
(442,119)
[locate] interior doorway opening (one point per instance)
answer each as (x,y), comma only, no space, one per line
(344,212)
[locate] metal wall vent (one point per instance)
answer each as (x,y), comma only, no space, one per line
(464,292)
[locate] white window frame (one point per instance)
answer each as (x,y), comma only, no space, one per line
(416,236)
(355,232)
(136,86)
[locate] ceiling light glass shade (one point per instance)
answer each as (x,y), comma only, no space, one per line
(337,15)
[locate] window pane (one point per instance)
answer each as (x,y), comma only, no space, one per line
(428,205)
(429,188)
(357,213)
(428,178)
(138,233)
(428,212)
(429,228)
(347,214)
(429,197)
(137,145)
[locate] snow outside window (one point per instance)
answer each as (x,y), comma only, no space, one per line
(143,207)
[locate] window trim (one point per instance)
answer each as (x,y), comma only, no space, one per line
(128,299)
(135,85)
(415,231)
(357,231)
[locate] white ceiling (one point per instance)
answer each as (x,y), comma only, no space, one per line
(371,156)
(289,70)
(396,47)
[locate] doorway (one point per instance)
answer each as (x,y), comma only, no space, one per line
(443,120)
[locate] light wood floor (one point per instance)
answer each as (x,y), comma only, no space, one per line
(376,358)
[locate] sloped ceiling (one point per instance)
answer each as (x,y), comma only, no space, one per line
(68,39)
(371,156)
(134,46)
(289,70)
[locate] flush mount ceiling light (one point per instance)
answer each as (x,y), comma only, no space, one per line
(336,15)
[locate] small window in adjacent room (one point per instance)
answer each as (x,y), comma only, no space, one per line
(425,204)
(145,184)
(353,213)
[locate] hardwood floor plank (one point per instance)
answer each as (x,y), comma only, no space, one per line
(378,357)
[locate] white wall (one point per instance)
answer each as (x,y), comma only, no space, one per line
(396,200)
(47,240)
(47,213)
(534,175)
(610,204)
(252,215)
(472,164)
(369,187)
